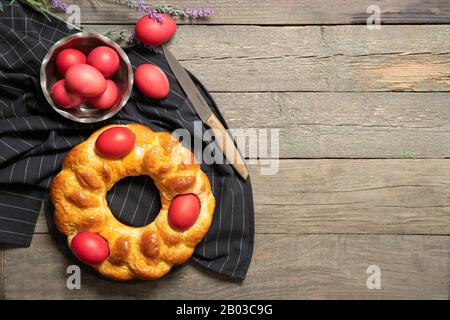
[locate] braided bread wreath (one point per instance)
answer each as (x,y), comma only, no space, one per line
(78,193)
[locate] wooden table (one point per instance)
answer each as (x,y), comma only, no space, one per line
(364,178)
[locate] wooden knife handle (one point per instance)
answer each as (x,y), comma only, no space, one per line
(226,144)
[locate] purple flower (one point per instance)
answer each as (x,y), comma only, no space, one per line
(196,13)
(131,39)
(59,4)
(152,13)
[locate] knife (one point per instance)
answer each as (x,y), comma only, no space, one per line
(222,138)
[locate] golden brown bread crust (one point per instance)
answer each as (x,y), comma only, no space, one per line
(79,192)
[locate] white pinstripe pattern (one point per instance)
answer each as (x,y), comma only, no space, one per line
(21,195)
(12,171)
(26,121)
(126,197)
(54,31)
(113,193)
(62,133)
(30,49)
(12,125)
(149,211)
(17,220)
(10,147)
(26,170)
(16,233)
(139,200)
(231,230)
(43,123)
(17,207)
(17,137)
(243,227)
(6,86)
(220,220)
(48,27)
(40,162)
(29,126)
(25,142)
(206,235)
(6,61)
(54,161)
(17,54)
(42,28)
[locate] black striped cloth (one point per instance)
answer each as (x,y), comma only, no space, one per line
(34,140)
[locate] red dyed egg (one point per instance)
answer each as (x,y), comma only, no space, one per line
(90,247)
(152,32)
(107,99)
(85,80)
(115,142)
(64,98)
(151,81)
(104,59)
(67,58)
(184,211)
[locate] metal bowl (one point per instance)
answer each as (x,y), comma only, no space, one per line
(85,42)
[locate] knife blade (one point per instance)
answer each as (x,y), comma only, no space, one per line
(223,139)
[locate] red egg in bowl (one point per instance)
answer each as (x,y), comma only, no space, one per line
(86,43)
(105,59)
(65,98)
(67,58)
(85,80)
(107,99)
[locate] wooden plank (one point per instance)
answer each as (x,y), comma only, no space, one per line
(346,125)
(286,12)
(334,58)
(354,196)
(283,267)
(194,42)
(351,196)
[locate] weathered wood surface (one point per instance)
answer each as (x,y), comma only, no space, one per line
(350,196)
(298,66)
(314,58)
(2,260)
(346,125)
(286,12)
(283,266)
